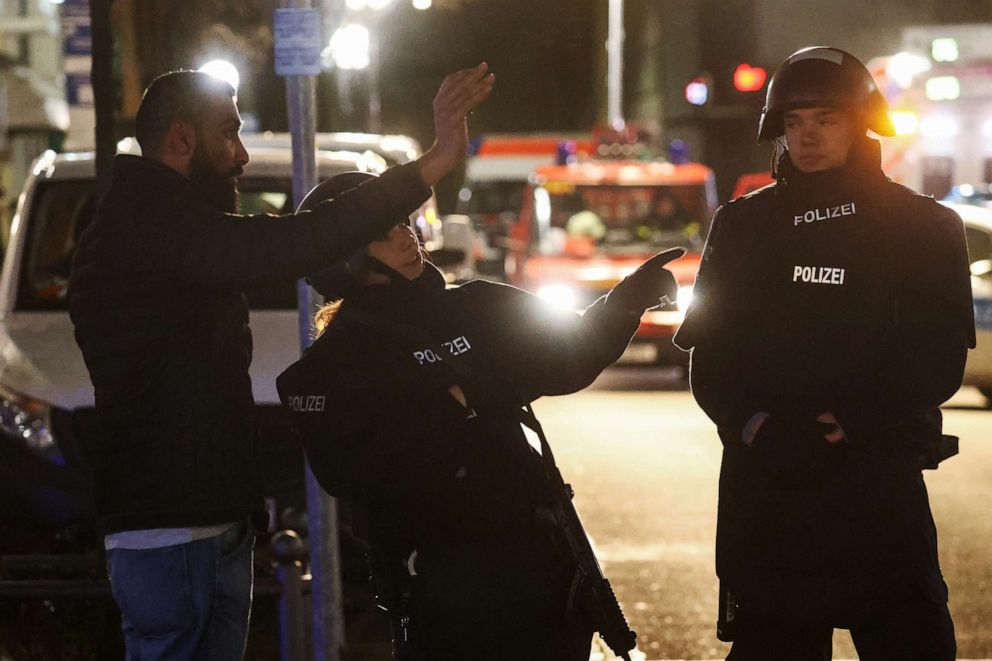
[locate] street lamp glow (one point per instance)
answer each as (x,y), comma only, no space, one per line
(944,49)
(943,88)
(903,67)
(939,127)
(374,5)
(905,122)
(421,4)
(224,70)
(349,47)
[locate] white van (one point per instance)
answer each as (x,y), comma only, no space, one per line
(46,398)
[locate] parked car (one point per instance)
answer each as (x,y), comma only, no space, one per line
(978,231)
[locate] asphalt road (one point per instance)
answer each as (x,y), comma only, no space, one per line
(644,462)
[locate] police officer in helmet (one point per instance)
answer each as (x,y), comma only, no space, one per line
(408,407)
(831,318)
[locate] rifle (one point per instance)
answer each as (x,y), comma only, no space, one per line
(591,590)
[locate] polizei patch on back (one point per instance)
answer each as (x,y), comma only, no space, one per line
(307,403)
(818,275)
(457,346)
(813,215)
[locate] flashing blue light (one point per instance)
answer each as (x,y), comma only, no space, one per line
(566,152)
(678,152)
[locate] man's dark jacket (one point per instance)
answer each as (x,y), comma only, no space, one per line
(832,291)
(155,297)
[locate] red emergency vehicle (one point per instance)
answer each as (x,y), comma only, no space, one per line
(586,225)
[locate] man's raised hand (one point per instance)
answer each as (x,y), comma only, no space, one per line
(459,93)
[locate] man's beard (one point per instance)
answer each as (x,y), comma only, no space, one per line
(219,189)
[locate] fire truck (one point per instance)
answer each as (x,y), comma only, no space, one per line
(587,224)
(496,173)
(939,89)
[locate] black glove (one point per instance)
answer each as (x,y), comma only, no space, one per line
(795,453)
(643,288)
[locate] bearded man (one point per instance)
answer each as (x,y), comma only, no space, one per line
(156,301)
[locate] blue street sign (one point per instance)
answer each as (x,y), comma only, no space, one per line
(297,42)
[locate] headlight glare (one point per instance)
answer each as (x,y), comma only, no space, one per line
(562,296)
(29,421)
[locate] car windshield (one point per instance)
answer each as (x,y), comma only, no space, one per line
(618,219)
(63,209)
(491,197)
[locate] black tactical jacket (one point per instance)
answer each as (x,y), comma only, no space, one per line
(838,291)
(371,403)
(155,297)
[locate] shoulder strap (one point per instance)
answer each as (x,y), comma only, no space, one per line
(529,420)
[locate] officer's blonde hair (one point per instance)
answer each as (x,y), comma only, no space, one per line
(324,316)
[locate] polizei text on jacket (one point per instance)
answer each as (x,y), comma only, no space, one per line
(818,275)
(825,213)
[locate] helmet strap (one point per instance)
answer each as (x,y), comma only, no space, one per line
(778,150)
(373,265)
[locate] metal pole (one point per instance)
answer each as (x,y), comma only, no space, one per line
(322,520)
(614,66)
(289,552)
(104,91)
(375,96)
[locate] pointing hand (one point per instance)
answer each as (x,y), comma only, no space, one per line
(646,287)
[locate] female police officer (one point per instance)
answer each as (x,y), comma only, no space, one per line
(833,318)
(409,404)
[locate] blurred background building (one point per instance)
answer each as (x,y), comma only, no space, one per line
(549,57)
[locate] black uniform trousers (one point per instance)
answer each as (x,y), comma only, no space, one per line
(912,628)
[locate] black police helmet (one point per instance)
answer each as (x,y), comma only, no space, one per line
(820,77)
(335,281)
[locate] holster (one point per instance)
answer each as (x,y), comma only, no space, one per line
(945,448)
(392,586)
(391,582)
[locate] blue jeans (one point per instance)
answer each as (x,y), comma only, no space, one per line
(187,601)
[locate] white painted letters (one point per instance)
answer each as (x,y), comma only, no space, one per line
(818,275)
(814,215)
(457,346)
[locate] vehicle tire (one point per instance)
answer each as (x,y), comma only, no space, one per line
(987,393)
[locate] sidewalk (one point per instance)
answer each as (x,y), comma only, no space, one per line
(600,652)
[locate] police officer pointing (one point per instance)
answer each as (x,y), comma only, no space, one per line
(831,318)
(408,406)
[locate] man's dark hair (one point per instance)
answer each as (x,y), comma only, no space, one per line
(177,95)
